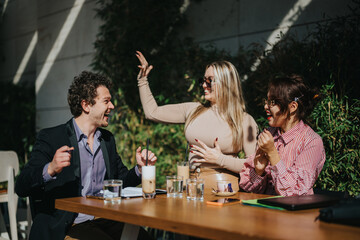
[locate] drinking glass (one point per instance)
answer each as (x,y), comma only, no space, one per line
(183,170)
(148,182)
(174,186)
(112,190)
(195,189)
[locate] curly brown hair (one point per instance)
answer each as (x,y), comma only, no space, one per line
(84,87)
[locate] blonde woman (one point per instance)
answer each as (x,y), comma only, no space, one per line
(217,131)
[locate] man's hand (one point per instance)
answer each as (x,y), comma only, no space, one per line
(60,160)
(141,158)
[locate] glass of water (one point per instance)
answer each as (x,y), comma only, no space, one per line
(195,189)
(112,190)
(174,186)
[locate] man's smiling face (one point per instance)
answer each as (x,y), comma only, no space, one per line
(99,112)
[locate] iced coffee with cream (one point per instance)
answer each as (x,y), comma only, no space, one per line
(148,181)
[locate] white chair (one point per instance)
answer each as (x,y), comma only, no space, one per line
(24,226)
(9,163)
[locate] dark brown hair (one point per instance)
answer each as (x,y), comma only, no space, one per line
(286,89)
(84,88)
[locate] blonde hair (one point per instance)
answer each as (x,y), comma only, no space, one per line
(229,100)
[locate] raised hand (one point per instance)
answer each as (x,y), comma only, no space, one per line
(208,154)
(266,144)
(144,65)
(60,160)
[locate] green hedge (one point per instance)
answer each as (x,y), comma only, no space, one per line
(338,124)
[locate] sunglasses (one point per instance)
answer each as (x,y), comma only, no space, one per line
(207,80)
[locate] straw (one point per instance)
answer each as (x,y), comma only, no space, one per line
(147,149)
(186,154)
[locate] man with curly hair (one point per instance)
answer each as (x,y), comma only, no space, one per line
(73,159)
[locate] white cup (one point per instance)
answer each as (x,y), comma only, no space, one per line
(224,186)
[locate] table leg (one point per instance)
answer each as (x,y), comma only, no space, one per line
(130,231)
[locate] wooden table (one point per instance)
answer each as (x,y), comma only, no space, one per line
(213,222)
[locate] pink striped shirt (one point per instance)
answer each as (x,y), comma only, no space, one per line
(302,157)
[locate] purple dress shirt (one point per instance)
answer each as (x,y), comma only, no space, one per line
(92,166)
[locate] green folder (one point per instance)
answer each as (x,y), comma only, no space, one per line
(254,202)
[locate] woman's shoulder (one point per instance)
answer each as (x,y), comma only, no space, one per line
(192,104)
(190,107)
(310,134)
(248,119)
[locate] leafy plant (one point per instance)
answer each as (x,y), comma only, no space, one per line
(338,123)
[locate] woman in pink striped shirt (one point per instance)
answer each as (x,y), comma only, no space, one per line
(289,155)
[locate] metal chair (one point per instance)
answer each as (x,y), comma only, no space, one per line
(9,169)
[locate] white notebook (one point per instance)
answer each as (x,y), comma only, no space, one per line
(136,192)
(131,192)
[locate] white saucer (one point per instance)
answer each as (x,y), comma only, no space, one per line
(224,194)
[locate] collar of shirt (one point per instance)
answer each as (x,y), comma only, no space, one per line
(289,135)
(80,135)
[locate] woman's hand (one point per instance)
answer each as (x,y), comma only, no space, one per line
(208,155)
(266,144)
(260,162)
(144,67)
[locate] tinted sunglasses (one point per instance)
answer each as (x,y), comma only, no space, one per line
(206,80)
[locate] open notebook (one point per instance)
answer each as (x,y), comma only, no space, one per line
(136,192)
(127,192)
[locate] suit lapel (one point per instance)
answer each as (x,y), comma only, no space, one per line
(74,143)
(106,159)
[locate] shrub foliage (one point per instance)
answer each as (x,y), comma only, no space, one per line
(338,123)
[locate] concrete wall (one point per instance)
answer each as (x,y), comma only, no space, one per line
(17,27)
(229,24)
(75,55)
(66,30)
